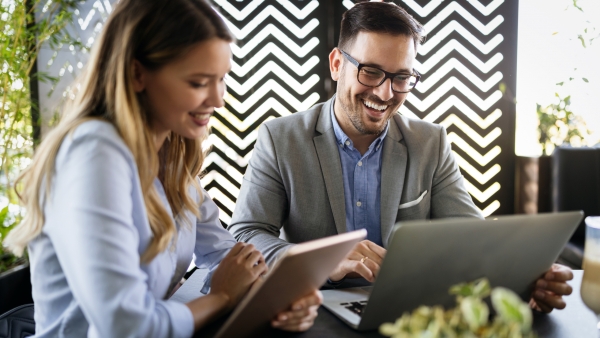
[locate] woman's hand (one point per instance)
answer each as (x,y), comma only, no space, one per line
(237,272)
(300,316)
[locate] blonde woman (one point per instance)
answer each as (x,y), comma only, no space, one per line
(114,206)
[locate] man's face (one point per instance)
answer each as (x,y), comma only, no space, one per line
(366,110)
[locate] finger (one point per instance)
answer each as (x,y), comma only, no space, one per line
(379,251)
(293,323)
(236,248)
(559,273)
(547,300)
(295,315)
(559,288)
(363,271)
(374,267)
(288,318)
(260,268)
(253,259)
(245,252)
(363,251)
(539,307)
(313,298)
(304,326)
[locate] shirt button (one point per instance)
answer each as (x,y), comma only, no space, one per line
(358,204)
(360,163)
(347,143)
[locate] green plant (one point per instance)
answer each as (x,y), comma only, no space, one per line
(559,125)
(470,318)
(8,220)
(25,26)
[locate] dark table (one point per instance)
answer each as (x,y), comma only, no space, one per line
(575,321)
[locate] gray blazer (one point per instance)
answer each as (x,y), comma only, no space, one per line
(294,181)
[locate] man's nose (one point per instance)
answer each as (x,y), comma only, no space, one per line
(384,90)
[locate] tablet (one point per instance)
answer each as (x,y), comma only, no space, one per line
(301,269)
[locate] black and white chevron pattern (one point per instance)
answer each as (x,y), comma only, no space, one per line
(470,50)
(274,73)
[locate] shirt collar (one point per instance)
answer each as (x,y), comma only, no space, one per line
(344,140)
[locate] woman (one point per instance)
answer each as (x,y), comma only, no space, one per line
(114,206)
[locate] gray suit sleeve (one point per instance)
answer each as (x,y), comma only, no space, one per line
(449,194)
(262,206)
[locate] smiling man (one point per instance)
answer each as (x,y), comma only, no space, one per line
(353,162)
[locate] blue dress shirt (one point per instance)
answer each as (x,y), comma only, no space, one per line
(86,272)
(362,182)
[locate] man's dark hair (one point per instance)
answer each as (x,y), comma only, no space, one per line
(378,17)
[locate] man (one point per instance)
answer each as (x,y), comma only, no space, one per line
(353,162)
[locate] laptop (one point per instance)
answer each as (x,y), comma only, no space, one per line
(302,268)
(425,258)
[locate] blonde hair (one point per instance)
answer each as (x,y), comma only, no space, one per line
(154,33)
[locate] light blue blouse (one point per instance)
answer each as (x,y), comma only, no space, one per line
(85,266)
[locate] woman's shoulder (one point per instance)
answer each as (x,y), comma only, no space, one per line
(96,128)
(94,137)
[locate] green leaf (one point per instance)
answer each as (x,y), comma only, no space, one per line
(475,312)
(582,41)
(3,214)
(585,80)
(560,83)
(511,308)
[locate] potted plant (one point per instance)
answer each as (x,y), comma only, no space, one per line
(558,126)
(470,318)
(26,26)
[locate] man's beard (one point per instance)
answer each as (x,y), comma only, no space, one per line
(355,112)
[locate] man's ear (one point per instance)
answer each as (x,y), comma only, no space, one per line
(139,76)
(335,63)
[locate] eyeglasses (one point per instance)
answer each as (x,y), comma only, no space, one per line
(373,77)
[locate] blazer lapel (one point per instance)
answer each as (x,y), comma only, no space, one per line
(393,170)
(331,165)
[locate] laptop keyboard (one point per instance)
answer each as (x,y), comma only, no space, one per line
(356,307)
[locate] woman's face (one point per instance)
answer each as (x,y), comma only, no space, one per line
(184,93)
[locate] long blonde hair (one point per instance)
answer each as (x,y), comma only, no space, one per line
(154,33)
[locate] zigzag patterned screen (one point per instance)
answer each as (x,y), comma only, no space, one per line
(470,53)
(280,66)
(469,66)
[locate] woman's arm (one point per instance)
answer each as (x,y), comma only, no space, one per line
(213,242)
(91,220)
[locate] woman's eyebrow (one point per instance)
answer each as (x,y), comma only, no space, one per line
(203,75)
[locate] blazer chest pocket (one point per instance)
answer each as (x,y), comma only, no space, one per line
(416,209)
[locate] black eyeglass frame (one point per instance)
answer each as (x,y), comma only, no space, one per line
(388,75)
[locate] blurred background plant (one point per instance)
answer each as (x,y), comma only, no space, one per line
(560,126)
(470,318)
(25,26)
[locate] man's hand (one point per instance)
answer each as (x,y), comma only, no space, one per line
(364,260)
(301,314)
(550,288)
